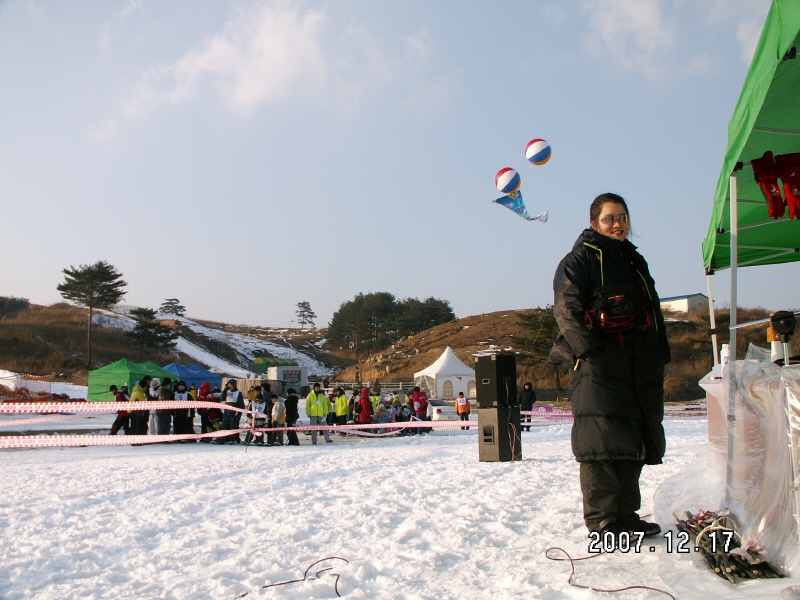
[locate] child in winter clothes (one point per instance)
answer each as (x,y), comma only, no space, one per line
(123,419)
(278,419)
(210,418)
(291,416)
(463,408)
(182,417)
(257,418)
(381,415)
(363,408)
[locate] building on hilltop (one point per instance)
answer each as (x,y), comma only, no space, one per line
(690,304)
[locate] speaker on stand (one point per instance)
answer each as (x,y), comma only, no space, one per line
(498,412)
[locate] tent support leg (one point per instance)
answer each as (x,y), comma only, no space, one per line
(712,316)
(728,376)
(734,259)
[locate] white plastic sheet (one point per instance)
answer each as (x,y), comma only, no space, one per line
(14,381)
(747,469)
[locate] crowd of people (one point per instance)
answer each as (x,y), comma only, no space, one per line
(267,410)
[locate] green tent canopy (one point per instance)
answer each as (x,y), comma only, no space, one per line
(118,373)
(767,117)
(261,364)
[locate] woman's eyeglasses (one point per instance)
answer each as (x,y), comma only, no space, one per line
(610,219)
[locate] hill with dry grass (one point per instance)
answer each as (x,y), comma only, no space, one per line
(467,337)
(503,331)
(51,340)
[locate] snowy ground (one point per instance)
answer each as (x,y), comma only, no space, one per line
(416,517)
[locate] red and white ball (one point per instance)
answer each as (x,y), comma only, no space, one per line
(507,180)
(538,151)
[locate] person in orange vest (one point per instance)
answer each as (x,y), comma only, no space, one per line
(462,408)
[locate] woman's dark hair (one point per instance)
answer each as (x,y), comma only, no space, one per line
(597,206)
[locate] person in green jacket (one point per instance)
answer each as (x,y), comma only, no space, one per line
(340,405)
(317,408)
(375,398)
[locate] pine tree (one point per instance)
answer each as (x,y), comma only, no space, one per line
(305,314)
(150,333)
(93,286)
(374,321)
(172,306)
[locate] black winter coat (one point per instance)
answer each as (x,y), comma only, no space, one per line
(526,399)
(617,377)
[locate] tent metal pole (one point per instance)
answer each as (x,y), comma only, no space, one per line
(711,316)
(730,370)
(734,259)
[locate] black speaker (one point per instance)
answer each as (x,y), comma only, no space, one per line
(496,380)
(499,434)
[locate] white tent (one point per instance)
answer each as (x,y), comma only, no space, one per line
(447,377)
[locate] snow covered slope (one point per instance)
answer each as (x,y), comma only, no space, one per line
(246,347)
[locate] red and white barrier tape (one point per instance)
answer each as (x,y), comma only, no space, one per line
(52,441)
(541,416)
(44,419)
(85,407)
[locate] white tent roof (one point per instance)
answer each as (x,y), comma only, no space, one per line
(447,364)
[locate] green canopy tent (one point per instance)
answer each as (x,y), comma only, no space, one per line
(262,363)
(766,118)
(741,233)
(118,373)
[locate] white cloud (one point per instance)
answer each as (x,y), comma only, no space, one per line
(104,133)
(633,33)
(418,46)
(748,32)
(704,63)
(275,51)
(109,31)
(130,8)
(260,55)
(748,17)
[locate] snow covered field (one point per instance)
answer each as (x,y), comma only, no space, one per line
(416,517)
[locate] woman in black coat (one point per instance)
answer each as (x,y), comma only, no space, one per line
(526,399)
(613,340)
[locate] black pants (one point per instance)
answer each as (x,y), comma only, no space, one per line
(230,420)
(292,435)
(526,421)
(123,421)
(464,417)
(610,491)
(139,420)
(182,422)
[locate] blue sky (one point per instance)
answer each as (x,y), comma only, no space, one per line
(244,156)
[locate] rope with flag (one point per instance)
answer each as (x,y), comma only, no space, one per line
(516,204)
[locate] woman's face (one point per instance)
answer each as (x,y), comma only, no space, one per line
(613,221)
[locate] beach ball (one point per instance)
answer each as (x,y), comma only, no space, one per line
(507,180)
(538,152)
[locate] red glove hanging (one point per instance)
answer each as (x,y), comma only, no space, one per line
(789,172)
(766,176)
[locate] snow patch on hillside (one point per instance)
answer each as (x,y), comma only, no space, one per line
(247,347)
(250,347)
